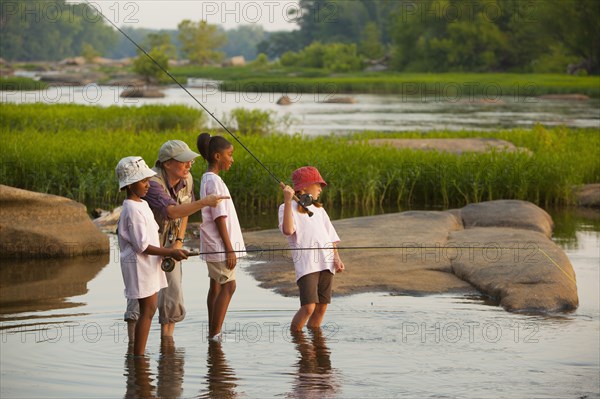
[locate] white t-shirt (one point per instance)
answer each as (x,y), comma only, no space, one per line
(142,274)
(210,239)
(311,232)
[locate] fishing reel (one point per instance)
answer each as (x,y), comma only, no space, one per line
(167,265)
(305,200)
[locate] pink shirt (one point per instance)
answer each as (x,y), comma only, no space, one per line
(210,239)
(311,232)
(142,274)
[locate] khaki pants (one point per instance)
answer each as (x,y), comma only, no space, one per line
(170,300)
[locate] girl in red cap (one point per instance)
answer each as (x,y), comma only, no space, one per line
(314,269)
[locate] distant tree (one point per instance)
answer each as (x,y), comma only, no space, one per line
(243,40)
(29,31)
(576,25)
(89,52)
(160,48)
(162,41)
(200,41)
(371,46)
(277,43)
(335,57)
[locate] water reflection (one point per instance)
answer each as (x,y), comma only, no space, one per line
(139,381)
(315,378)
(28,285)
(221,379)
(170,369)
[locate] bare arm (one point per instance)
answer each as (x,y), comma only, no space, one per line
(337,261)
(222,228)
(288,225)
(175,253)
(183,210)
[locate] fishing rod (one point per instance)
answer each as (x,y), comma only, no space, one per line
(279,181)
(168,264)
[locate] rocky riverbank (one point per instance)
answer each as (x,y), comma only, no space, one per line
(501,249)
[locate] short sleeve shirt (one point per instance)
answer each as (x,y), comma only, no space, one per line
(210,239)
(311,232)
(142,274)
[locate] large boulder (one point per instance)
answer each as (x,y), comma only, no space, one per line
(420,268)
(34,225)
(507,213)
(499,248)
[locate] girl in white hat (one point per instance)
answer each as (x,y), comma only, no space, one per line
(141,253)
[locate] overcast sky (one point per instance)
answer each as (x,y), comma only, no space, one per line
(166,14)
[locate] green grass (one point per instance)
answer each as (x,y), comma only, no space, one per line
(14,84)
(64,117)
(491,85)
(76,161)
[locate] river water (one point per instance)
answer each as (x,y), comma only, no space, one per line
(62,336)
(310,116)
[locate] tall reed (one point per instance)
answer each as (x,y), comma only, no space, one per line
(73,159)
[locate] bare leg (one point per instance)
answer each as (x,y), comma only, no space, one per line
(213,292)
(317,317)
(148,307)
(167,330)
(131,330)
(220,307)
(301,316)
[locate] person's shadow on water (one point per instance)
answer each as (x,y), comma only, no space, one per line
(140,382)
(170,369)
(220,378)
(315,377)
(138,378)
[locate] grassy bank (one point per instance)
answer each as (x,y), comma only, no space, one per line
(58,118)
(452,85)
(59,158)
(15,84)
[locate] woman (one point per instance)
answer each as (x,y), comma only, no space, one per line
(171,198)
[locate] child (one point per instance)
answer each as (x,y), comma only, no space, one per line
(141,253)
(220,232)
(314,269)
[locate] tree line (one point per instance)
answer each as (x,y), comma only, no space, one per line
(340,35)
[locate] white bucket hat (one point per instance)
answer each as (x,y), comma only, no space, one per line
(131,170)
(177,150)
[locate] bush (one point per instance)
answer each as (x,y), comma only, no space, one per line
(335,57)
(252,121)
(13,84)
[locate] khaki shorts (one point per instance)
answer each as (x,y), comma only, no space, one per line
(219,272)
(315,287)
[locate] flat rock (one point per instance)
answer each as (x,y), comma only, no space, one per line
(520,267)
(416,270)
(34,225)
(523,270)
(507,213)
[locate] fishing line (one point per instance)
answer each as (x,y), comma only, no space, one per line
(169,264)
(279,181)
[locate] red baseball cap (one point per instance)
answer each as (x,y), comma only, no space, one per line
(305,176)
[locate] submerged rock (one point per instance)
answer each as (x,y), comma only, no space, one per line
(520,267)
(34,225)
(589,195)
(142,92)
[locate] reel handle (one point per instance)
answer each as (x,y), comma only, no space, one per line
(295,198)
